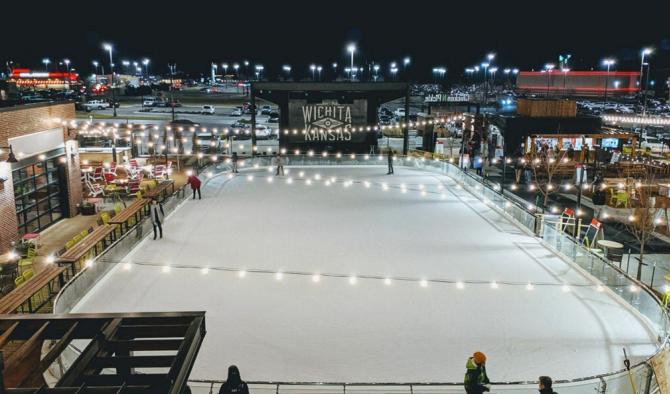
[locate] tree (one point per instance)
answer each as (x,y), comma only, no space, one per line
(545,167)
(643,218)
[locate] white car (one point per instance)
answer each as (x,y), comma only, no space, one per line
(96,104)
(236,112)
(654,144)
(207,110)
(399,113)
(263,132)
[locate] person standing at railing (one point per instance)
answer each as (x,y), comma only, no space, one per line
(545,385)
(476,381)
(195,184)
(157,216)
(234,384)
(390,161)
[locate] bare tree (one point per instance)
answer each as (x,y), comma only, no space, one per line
(545,169)
(642,220)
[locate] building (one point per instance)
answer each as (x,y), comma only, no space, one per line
(44,184)
(26,78)
(578,83)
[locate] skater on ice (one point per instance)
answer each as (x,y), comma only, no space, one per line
(545,385)
(157,216)
(234,384)
(280,164)
(195,184)
(476,381)
(234,161)
(390,161)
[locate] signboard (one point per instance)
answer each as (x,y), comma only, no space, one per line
(447,98)
(326,123)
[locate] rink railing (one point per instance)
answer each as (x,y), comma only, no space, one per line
(633,293)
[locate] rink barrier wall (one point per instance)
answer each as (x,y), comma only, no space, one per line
(644,301)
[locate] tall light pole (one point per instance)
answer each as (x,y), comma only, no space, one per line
(318,69)
(46,62)
(645,52)
(608,63)
(376,68)
(313,68)
(236,67)
(213,71)
(287,70)
(565,72)
(108,48)
(548,68)
(259,71)
(334,70)
(145,62)
(485,66)
(351,48)
(67,65)
(405,64)
(246,67)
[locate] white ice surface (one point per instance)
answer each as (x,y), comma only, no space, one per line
(298,330)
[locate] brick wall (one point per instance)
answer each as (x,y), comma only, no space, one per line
(19,121)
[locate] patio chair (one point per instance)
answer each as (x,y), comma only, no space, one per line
(96,175)
(94,189)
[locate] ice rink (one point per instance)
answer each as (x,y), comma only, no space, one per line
(347,328)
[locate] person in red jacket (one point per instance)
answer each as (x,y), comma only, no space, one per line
(195,184)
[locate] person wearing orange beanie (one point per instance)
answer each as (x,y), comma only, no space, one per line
(476,381)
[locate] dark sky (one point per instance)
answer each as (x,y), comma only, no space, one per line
(454,34)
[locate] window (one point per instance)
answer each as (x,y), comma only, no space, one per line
(39,194)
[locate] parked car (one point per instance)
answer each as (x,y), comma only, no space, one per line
(236,112)
(207,110)
(274,117)
(266,110)
(399,113)
(263,132)
(96,104)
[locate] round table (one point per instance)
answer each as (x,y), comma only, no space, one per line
(609,244)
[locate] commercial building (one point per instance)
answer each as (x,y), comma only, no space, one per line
(578,83)
(24,77)
(40,179)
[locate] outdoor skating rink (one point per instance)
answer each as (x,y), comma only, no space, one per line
(297,329)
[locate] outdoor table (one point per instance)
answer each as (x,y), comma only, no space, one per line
(24,294)
(75,253)
(608,246)
(159,191)
(133,210)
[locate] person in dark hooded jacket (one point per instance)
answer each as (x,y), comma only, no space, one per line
(234,384)
(476,381)
(545,385)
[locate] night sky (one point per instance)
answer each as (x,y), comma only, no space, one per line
(454,34)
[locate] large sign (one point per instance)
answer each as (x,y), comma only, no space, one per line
(447,98)
(327,122)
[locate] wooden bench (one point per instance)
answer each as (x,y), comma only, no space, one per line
(104,234)
(159,191)
(25,298)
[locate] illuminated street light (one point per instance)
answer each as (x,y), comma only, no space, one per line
(608,63)
(351,48)
(145,62)
(46,62)
(67,64)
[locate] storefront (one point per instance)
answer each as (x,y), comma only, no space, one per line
(41,183)
(40,191)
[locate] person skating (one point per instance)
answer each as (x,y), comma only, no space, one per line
(234,384)
(195,184)
(476,381)
(280,164)
(545,385)
(390,161)
(157,216)
(234,161)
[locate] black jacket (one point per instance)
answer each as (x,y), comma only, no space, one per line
(234,388)
(547,391)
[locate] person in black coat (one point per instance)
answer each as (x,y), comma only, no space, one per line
(390,160)
(545,385)
(234,160)
(234,384)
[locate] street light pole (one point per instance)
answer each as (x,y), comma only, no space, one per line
(608,63)
(351,48)
(108,48)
